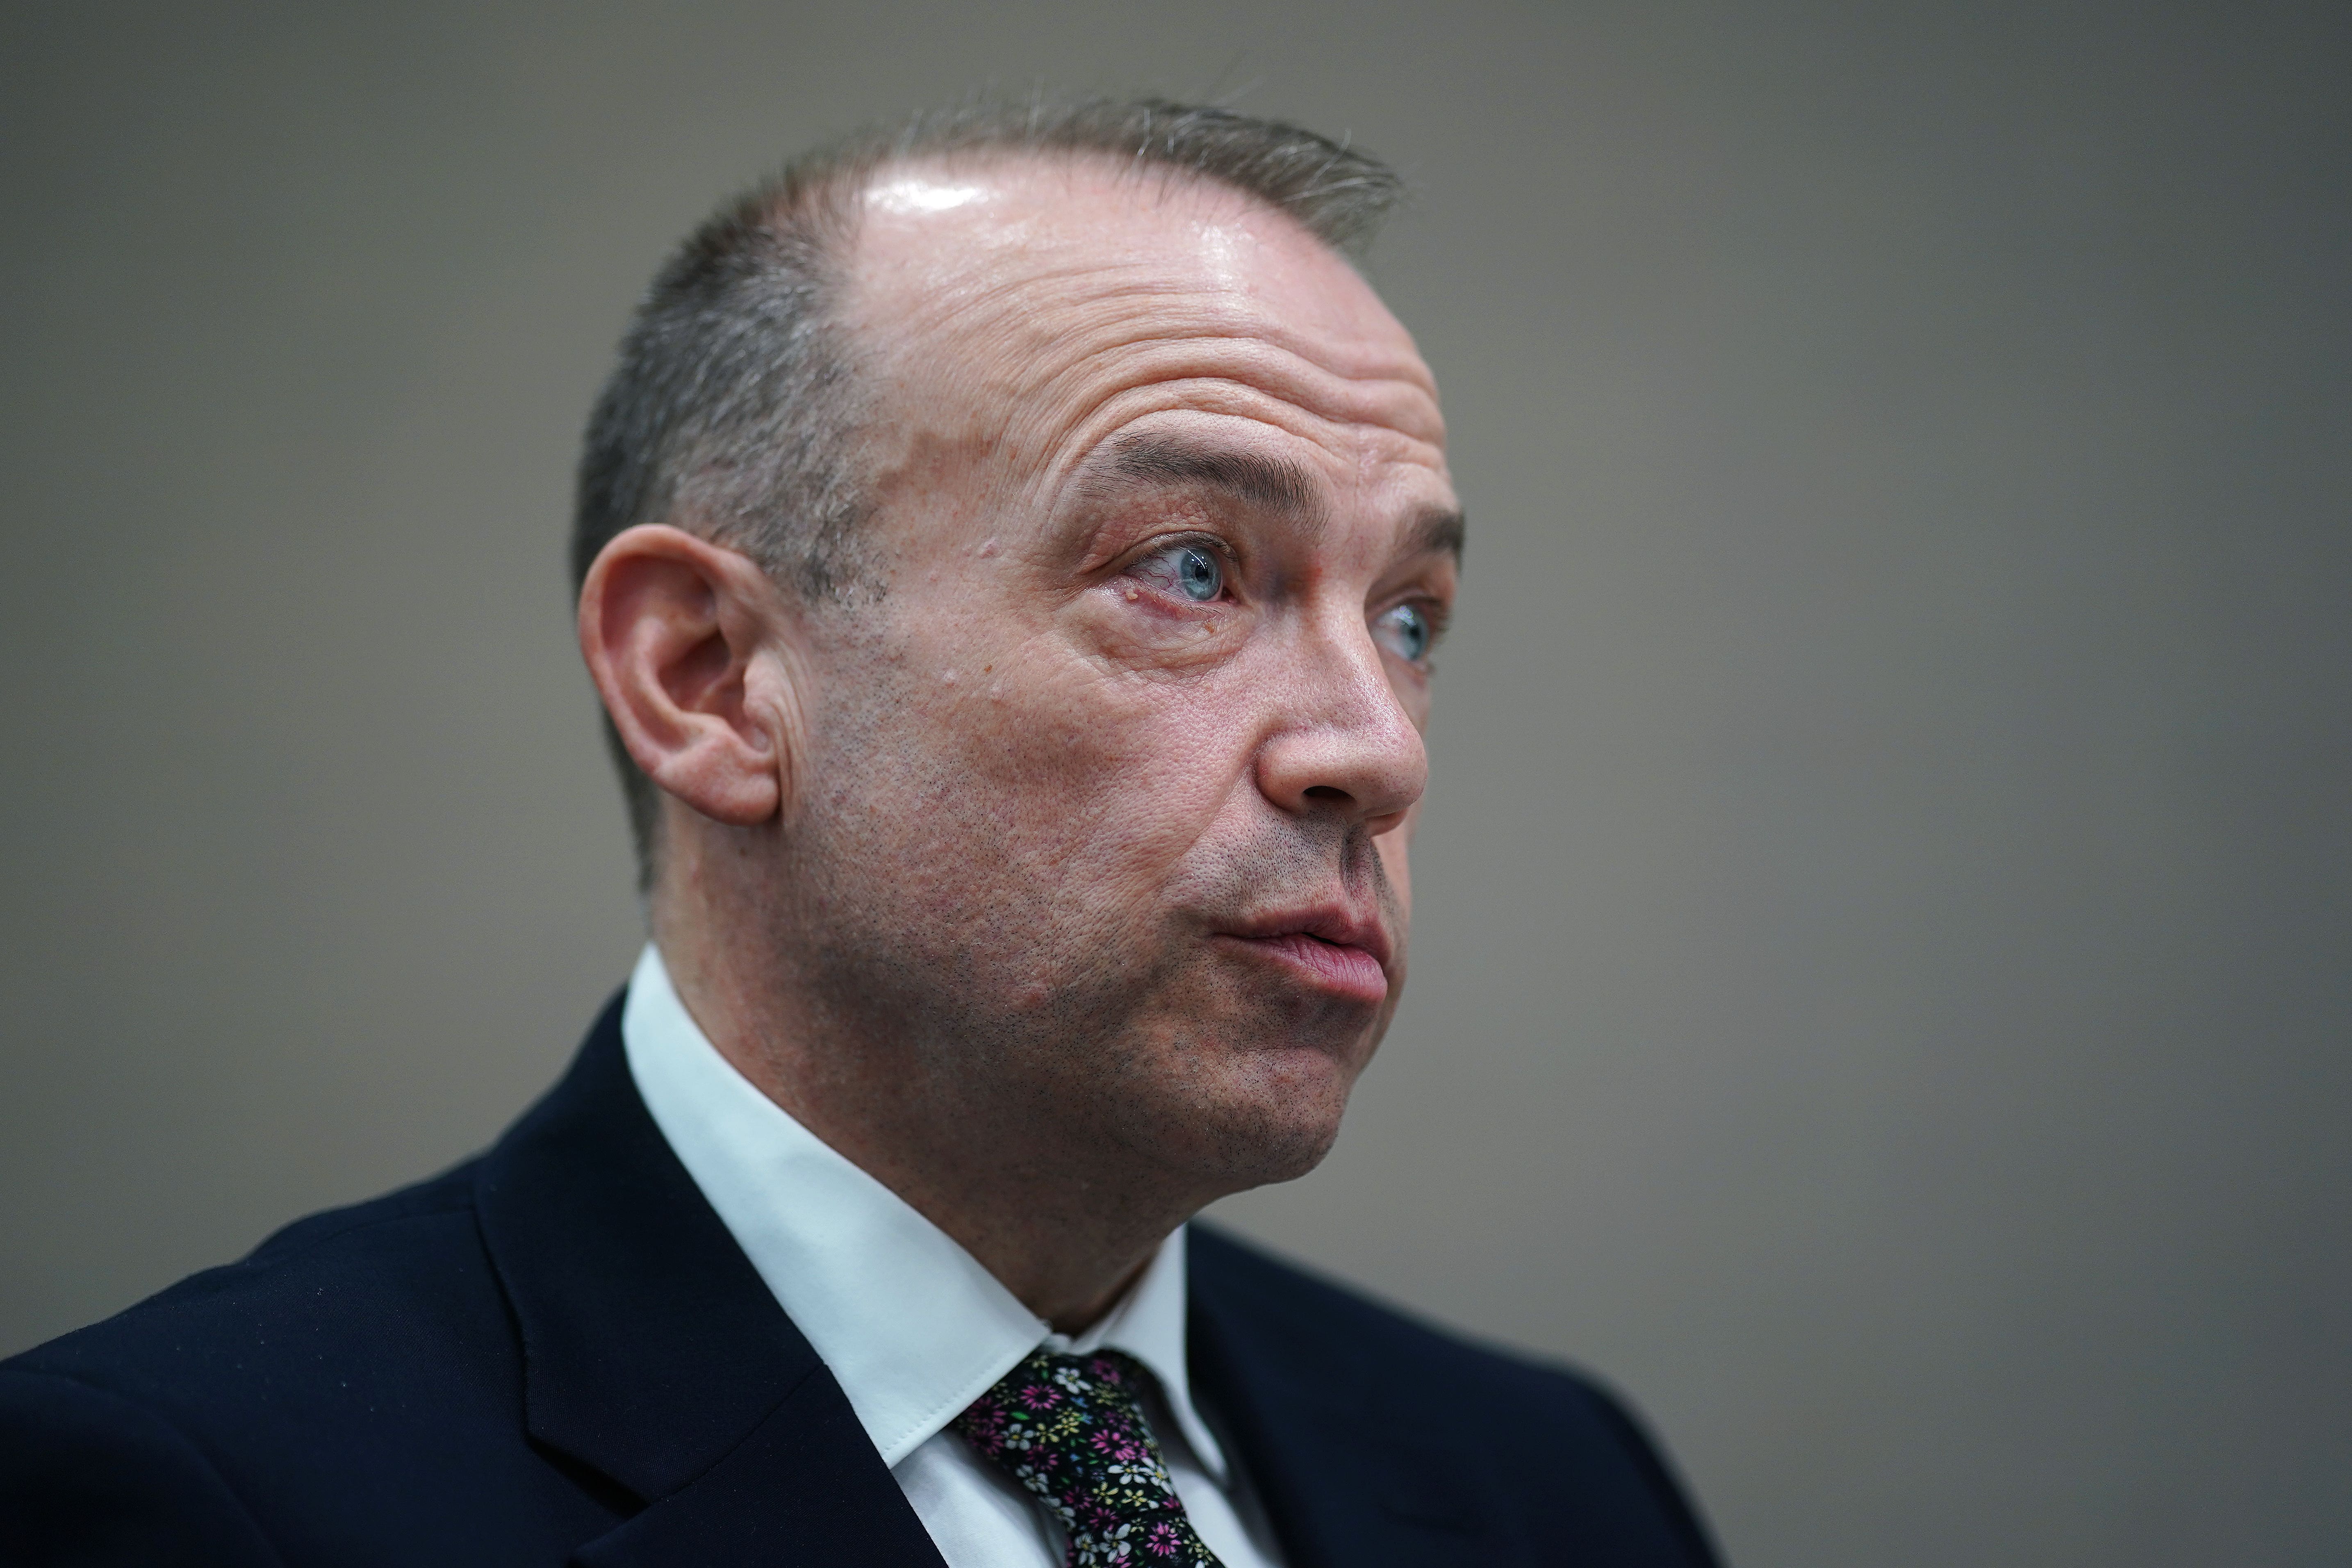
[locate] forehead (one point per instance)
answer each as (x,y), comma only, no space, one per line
(1029,299)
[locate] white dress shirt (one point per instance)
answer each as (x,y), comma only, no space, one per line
(911,1326)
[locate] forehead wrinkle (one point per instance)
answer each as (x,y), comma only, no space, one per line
(1182,314)
(1053,347)
(1068,287)
(1367,448)
(1069,310)
(1239,374)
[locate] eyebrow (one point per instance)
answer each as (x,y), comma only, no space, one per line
(1437,531)
(1274,483)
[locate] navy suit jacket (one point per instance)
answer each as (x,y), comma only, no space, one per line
(556,1353)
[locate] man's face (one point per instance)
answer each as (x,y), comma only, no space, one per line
(1106,813)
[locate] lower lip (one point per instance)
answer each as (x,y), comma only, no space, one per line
(1350,970)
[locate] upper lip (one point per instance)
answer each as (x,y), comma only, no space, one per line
(1331,922)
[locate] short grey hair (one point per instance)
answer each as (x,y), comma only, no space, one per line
(736,408)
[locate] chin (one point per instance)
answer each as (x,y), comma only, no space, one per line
(1262,1116)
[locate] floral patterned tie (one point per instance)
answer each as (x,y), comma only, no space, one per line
(1071,1430)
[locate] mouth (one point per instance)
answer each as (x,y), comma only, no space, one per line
(1329,948)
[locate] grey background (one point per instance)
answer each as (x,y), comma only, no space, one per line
(1881,994)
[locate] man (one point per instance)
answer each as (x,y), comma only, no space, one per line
(1010,554)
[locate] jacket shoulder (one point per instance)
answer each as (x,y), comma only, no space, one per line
(391,1254)
(351,1389)
(1528,1434)
(1293,1303)
(88,1476)
(346,1337)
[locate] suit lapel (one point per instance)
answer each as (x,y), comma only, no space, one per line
(654,1353)
(1345,1483)
(655,1356)
(785,1495)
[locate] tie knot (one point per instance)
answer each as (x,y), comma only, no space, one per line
(1071,1430)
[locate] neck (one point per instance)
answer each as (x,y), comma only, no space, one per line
(1066,1225)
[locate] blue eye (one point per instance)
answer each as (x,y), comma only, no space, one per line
(1191,570)
(1199,574)
(1404,631)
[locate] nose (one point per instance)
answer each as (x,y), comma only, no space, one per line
(1342,745)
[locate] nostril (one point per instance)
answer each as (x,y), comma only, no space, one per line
(1326,792)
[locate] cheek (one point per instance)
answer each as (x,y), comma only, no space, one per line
(1089,773)
(1395,848)
(1153,635)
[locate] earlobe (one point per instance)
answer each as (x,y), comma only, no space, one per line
(679,636)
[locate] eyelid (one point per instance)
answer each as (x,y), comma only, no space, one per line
(1433,614)
(1159,544)
(1436,610)
(1167,542)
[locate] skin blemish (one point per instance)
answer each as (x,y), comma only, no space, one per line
(947,678)
(987,547)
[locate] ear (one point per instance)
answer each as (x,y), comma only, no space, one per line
(684,639)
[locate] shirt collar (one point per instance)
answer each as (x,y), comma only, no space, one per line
(911,1326)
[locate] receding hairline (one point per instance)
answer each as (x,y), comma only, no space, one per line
(1338,192)
(835,203)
